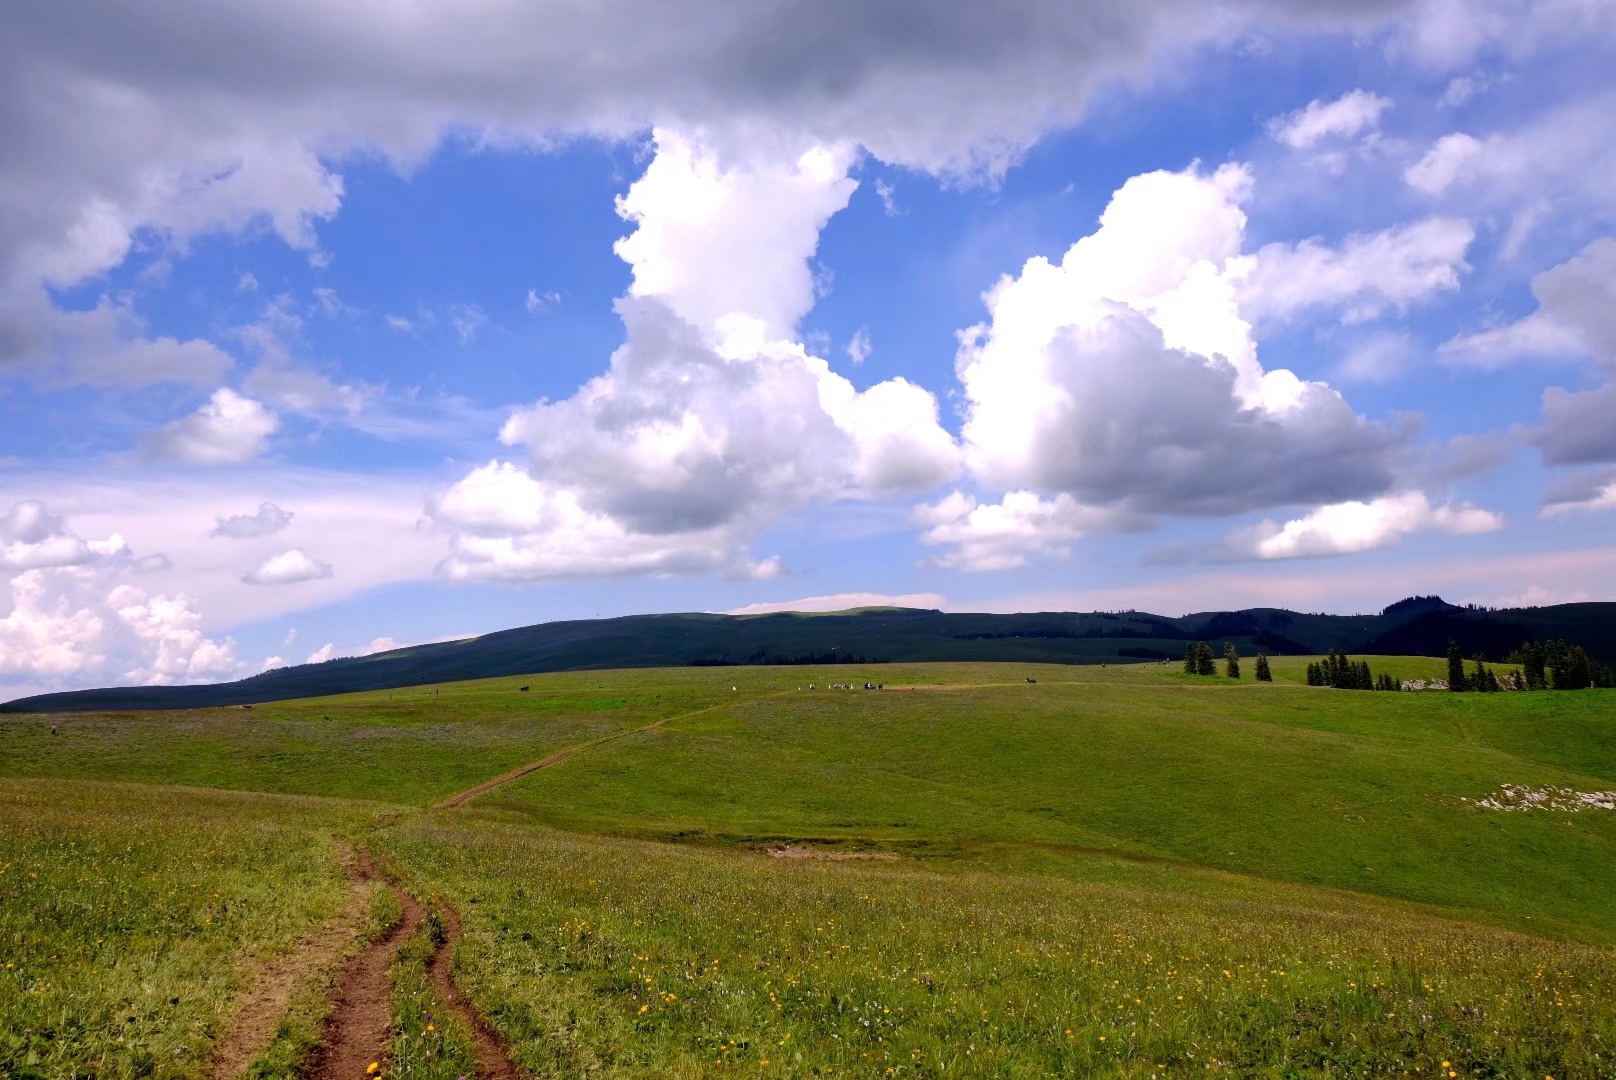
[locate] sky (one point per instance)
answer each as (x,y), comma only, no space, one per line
(327,328)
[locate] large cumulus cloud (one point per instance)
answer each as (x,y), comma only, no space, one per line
(711,421)
(1123,381)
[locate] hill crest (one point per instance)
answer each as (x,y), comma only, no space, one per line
(1416,626)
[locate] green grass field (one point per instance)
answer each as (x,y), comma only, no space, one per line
(1068,868)
(130,918)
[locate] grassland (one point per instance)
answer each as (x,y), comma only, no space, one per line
(620,959)
(1080,860)
(402,746)
(131,918)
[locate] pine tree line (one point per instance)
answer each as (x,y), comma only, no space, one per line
(1198,660)
(1343,673)
(1549,665)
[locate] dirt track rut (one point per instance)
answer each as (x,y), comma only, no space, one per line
(356,1031)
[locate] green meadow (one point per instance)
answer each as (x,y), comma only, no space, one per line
(1119,871)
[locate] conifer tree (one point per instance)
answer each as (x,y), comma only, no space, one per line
(1575,669)
(1456,675)
(1231,661)
(1205,665)
(1192,659)
(1534,663)
(1263,674)
(1315,673)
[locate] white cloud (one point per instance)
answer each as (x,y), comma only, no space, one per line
(1345,117)
(371,516)
(1125,377)
(196,121)
(1004,535)
(859,348)
(34,538)
(247,282)
(287,568)
(227,430)
(842,602)
(1575,427)
(726,244)
(72,620)
(322,654)
(537,301)
(1351,527)
(271,663)
(1575,317)
(467,320)
(1366,275)
(269,519)
(507,526)
(1379,358)
(1603,499)
(399,323)
(105,346)
(331,305)
(711,421)
(888,196)
(1590,492)
(1447,34)
(1575,320)
(1554,164)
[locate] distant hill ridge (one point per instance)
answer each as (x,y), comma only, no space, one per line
(1419,625)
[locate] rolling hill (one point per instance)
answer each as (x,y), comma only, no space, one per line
(1416,626)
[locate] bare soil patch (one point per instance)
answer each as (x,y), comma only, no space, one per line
(792,851)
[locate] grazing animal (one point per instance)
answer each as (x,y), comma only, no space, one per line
(1031,679)
(524,689)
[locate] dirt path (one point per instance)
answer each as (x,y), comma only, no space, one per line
(493,1060)
(356,1031)
(460,798)
(264,1004)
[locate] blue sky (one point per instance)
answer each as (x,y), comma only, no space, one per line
(326,330)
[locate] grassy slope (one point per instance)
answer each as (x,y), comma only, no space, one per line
(609,958)
(403,746)
(963,959)
(130,918)
(1353,790)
